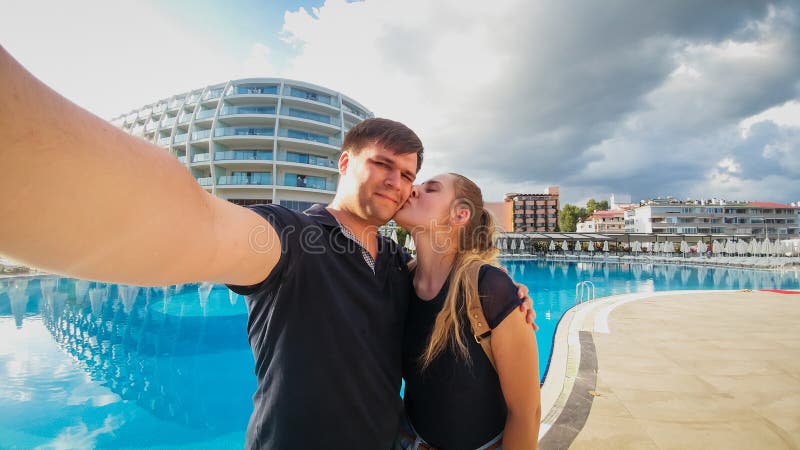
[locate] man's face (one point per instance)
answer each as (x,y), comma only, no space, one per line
(378,180)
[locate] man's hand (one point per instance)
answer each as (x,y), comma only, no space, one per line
(527,305)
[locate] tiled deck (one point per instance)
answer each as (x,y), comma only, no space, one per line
(691,370)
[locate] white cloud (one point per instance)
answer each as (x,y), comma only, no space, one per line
(518,95)
(110,57)
(522,95)
(787,114)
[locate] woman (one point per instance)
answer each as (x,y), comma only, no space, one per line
(454,397)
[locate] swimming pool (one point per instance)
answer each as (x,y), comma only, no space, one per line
(92,365)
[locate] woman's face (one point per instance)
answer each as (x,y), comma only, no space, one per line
(429,205)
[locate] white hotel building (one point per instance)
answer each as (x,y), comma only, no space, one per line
(257,140)
(757,219)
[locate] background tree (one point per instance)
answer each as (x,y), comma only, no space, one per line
(569,217)
(401,236)
(593,205)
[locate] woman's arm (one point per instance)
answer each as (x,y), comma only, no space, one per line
(517,361)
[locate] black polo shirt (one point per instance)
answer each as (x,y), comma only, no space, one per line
(326,333)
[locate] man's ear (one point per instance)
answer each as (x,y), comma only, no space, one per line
(344,161)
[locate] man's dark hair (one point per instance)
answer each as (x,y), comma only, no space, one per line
(391,135)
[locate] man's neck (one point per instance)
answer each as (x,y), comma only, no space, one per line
(365,232)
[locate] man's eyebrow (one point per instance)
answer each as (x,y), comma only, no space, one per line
(392,163)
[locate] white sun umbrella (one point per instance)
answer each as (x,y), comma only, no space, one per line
(564,246)
(513,244)
(656,248)
(764,247)
(701,247)
(410,246)
(394,235)
(730,247)
(521,245)
(753,247)
(715,248)
(552,246)
(684,247)
(605,246)
(591,245)
(578,247)
(505,244)
(667,247)
(636,246)
(741,247)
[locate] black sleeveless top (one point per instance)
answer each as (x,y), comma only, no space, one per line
(453,404)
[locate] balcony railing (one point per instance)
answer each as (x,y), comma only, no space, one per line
(206,113)
(242,131)
(182,159)
(138,130)
(313,96)
(201,134)
(205,181)
(304,181)
(254,179)
(192,99)
(151,126)
(180,138)
(243,155)
(175,103)
(253,90)
(168,122)
(234,110)
(185,118)
(306,136)
(310,116)
(163,140)
(201,157)
(211,94)
(313,160)
(353,110)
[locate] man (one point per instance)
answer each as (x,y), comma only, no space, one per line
(326,295)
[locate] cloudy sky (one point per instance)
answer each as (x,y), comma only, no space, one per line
(681,98)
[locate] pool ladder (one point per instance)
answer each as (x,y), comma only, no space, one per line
(584,291)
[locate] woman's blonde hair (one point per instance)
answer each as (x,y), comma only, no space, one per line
(475,249)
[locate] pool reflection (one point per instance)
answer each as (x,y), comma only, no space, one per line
(180,354)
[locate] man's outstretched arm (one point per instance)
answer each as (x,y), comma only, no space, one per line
(82,198)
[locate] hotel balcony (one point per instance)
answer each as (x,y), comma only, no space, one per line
(257,179)
(247,110)
(243,155)
(200,158)
(310,137)
(212,94)
(311,96)
(205,114)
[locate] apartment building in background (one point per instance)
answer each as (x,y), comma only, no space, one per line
(535,212)
(610,221)
(256,140)
(715,216)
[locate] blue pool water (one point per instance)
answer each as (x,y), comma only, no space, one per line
(87,365)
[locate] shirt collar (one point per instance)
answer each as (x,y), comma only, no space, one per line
(321,215)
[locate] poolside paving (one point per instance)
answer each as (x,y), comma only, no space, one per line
(706,371)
